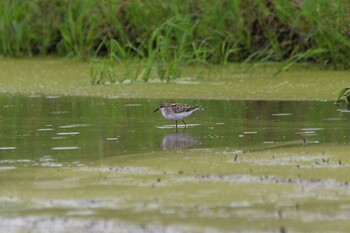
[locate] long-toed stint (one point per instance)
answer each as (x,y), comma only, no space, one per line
(177,112)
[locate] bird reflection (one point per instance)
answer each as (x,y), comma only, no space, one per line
(177,141)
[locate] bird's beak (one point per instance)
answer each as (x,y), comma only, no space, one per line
(156,110)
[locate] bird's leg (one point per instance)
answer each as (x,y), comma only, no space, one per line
(184,122)
(176,124)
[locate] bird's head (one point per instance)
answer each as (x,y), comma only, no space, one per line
(161,106)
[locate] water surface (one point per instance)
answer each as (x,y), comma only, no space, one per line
(69,128)
(105,163)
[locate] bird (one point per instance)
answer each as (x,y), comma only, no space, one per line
(177,111)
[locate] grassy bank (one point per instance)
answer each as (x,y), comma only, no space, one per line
(170,34)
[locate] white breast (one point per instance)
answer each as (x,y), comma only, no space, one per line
(176,116)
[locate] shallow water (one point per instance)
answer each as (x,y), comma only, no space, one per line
(104,164)
(70,128)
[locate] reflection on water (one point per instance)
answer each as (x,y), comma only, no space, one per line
(65,148)
(178,126)
(7,148)
(72,128)
(178,141)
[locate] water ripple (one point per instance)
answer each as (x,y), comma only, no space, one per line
(68,133)
(65,148)
(8,148)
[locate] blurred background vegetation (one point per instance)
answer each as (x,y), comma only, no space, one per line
(166,35)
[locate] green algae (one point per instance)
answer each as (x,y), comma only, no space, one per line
(68,164)
(193,190)
(53,76)
(118,170)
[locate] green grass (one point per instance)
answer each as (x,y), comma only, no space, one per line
(164,36)
(344,96)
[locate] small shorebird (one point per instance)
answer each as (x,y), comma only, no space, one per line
(176,112)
